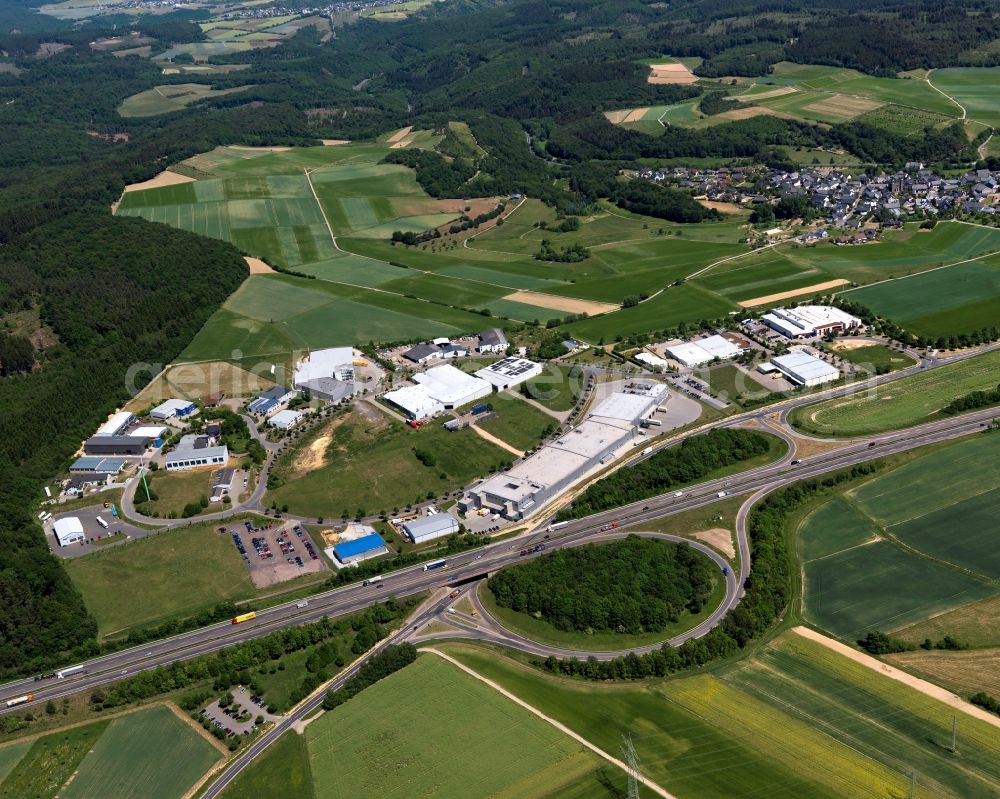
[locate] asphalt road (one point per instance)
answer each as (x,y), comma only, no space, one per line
(472,564)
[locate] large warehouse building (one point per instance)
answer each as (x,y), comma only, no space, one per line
(359,549)
(172,408)
(427,528)
(702,351)
(804,369)
(115,424)
(532,482)
(327,374)
(117,445)
(438,389)
(809,321)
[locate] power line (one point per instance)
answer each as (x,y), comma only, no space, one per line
(632,761)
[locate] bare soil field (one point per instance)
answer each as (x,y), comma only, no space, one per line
(165,178)
(250,149)
(784,295)
(567,304)
(719,538)
(257,266)
(198,380)
(398,145)
(670,73)
(636,114)
(752,111)
(850,344)
(334,142)
(616,117)
(929,689)
(400,134)
(722,208)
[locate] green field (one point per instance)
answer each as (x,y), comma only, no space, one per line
(557,388)
(976,88)
(150,753)
(174,490)
(476,743)
(173,97)
(373,466)
(928,525)
(50,762)
(519,424)
(282,772)
(960,299)
(901,403)
(795,720)
(9,757)
(170,574)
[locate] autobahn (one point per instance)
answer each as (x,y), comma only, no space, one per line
(473,563)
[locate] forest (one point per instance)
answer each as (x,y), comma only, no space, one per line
(636,585)
(691,460)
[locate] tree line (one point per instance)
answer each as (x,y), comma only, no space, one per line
(633,586)
(379,666)
(693,459)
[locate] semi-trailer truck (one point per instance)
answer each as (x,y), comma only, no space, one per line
(64,673)
(21,700)
(244,617)
(435,564)
(557,526)
(372,580)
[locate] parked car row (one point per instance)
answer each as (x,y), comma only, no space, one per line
(262,548)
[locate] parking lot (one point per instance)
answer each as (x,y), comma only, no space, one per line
(97,536)
(275,551)
(240,717)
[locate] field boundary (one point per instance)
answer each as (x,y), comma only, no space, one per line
(558,725)
(923,686)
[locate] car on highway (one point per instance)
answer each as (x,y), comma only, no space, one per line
(796,462)
(678,493)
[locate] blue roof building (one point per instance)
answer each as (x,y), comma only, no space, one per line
(369,546)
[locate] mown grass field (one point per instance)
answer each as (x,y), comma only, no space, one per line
(902,403)
(374,466)
(557,388)
(976,88)
(172,97)
(150,753)
(874,358)
(175,490)
(431,730)
(927,525)
(174,573)
(975,624)
(726,734)
(9,757)
(966,673)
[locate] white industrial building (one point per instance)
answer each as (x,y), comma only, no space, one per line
(195,451)
(335,362)
(653,360)
(156,432)
(68,531)
(702,351)
(452,387)
(558,464)
(285,420)
(804,369)
(115,424)
(438,389)
(427,528)
(809,321)
(509,372)
(172,408)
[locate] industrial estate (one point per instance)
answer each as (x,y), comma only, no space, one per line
(576,400)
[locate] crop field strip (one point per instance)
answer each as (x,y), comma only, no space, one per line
(911,527)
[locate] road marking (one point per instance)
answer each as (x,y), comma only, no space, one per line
(559,726)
